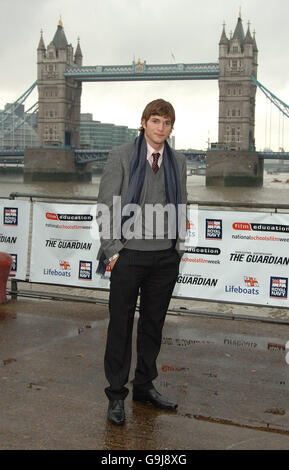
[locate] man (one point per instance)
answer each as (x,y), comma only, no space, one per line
(145,174)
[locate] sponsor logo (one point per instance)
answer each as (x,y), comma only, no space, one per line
(196,280)
(248,288)
(64,265)
(251,281)
(259,258)
(64,270)
(68,244)
(51,216)
(204,250)
(69,217)
(85,270)
(213,229)
(260,227)
(10,216)
(241,226)
(5,239)
(278,287)
(267,259)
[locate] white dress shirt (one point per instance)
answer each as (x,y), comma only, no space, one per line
(150,151)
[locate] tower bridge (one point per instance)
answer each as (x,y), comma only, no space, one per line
(143,71)
(60,73)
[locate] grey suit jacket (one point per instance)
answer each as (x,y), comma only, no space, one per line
(114,182)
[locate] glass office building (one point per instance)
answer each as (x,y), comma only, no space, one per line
(98,135)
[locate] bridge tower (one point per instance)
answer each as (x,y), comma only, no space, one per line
(58,115)
(237,63)
(234,160)
(58,96)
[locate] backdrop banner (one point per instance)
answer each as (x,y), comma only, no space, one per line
(14,234)
(64,245)
(233,256)
(236,256)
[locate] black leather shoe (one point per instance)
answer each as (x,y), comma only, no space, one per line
(154,397)
(115,412)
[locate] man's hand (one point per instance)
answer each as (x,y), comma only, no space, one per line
(112,263)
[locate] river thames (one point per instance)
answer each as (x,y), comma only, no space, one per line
(275,189)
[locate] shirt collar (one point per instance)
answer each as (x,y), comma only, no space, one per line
(151,150)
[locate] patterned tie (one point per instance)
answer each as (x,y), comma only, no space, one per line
(155,166)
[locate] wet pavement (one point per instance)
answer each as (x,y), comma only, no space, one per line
(230,378)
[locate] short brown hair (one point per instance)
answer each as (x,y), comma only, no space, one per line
(158,107)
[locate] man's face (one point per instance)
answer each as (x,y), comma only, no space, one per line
(157,130)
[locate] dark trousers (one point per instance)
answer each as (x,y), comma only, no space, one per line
(153,275)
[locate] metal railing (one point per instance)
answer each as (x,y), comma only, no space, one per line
(227,204)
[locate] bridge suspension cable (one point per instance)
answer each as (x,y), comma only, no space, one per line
(283,107)
(11,108)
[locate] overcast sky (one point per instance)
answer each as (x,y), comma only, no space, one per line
(117,31)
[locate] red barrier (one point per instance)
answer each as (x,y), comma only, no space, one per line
(5,266)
